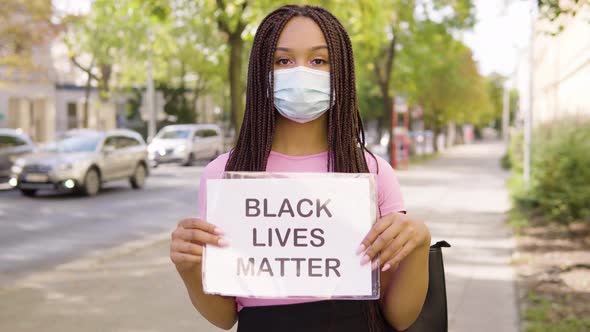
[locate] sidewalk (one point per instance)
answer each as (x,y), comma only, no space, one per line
(461,196)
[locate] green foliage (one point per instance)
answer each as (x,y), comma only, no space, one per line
(516,152)
(540,317)
(517,218)
(560,175)
(505,161)
(495,88)
(401,47)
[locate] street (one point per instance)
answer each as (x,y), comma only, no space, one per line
(461,195)
(39,233)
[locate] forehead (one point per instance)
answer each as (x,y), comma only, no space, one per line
(301,33)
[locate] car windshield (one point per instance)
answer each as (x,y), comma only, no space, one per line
(174,134)
(75,144)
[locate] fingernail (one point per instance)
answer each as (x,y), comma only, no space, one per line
(222,242)
(360,249)
(365,259)
(218,231)
(385,267)
(375,265)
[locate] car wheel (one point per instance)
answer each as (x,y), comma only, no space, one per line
(92,183)
(28,192)
(138,179)
(190,160)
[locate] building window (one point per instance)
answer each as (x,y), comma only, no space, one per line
(72,116)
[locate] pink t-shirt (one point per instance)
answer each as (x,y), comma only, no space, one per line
(389,195)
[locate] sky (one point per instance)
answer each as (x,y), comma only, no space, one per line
(71,6)
(501,32)
(500,35)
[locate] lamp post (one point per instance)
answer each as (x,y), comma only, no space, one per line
(528,116)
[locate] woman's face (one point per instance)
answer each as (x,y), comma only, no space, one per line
(302,43)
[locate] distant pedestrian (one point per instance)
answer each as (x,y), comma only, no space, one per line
(302,116)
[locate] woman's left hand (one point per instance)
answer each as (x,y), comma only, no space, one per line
(394,237)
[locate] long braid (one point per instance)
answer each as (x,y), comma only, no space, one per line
(346,137)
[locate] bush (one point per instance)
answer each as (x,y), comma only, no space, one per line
(515,152)
(560,171)
(505,162)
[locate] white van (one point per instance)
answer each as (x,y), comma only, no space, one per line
(184,144)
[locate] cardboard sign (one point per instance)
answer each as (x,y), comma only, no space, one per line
(290,237)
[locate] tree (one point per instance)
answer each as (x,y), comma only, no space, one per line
(23,25)
(381,32)
(438,72)
(232,21)
(94,43)
(495,89)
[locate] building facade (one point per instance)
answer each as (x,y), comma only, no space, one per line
(561,76)
(49,99)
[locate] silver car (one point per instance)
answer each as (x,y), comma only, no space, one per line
(13,144)
(186,143)
(83,162)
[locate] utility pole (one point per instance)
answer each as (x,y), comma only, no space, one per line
(151,109)
(528,118)
(506,114)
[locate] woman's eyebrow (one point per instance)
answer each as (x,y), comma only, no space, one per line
(315,48)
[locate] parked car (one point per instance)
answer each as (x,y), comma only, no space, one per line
(83,163)
(75,132)
(13,144)
(186,143)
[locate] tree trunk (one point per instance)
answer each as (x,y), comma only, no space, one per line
(235,81)
(383,72)
(189,114)
(436,130)
(236,47)
(90,77)
(200,87)
(104,82)
(86,100)
(385,118)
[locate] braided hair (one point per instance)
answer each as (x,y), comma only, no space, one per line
(346,137)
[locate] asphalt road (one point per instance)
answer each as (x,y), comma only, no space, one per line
(39,233)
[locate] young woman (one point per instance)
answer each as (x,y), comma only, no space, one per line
(302,116)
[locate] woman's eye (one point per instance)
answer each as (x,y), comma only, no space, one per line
(282,62)
(318,62)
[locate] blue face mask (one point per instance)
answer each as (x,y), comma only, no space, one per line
(301,94)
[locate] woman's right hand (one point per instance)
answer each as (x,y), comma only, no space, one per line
(188,239)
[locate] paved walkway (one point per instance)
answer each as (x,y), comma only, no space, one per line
(461,195)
